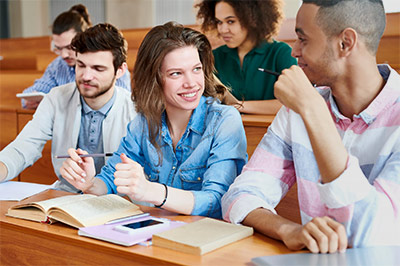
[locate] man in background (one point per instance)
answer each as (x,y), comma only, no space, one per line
(91,113)
(62,70)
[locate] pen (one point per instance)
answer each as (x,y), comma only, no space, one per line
(269,71)
(85,155)
(128,218)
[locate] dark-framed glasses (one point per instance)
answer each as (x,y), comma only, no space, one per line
(57,50)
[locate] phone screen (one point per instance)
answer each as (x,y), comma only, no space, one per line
(141,224)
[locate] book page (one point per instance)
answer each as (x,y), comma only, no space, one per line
(97,210)
(47,204)
(37,211)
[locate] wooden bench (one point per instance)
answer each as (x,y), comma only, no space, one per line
(13,82)
(20,53)
(14,120)
(389,46)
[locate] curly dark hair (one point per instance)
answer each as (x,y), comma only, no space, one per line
(261,18)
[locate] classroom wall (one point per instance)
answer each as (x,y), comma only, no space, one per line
(29,18)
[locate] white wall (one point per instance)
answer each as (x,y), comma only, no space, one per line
(125,14)
(34,17)
(28,18)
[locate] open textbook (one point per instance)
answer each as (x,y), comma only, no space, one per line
(76,210)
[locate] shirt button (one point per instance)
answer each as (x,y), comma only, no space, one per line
(199,178)
(173,167)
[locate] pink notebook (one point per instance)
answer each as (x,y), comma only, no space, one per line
(126,237)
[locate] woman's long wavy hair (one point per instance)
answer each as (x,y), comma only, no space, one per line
(147,79)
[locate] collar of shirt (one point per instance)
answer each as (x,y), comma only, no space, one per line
(103,110)
(260,49)
(388,96)
(196,122)
(70,68)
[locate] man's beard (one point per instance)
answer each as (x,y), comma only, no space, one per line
(98,93)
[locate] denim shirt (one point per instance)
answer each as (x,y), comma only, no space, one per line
(207,159)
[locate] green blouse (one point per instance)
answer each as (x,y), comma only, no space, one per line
(247,82)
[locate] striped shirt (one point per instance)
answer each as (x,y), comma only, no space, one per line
(59,73)
(365,198)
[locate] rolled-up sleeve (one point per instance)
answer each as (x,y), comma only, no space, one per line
(227,158)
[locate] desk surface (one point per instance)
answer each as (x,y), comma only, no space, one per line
(257,120)
(30,243)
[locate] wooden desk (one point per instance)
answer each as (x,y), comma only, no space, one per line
(255,127)
(31,243)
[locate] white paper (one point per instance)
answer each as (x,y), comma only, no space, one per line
(31,96)
(16,191)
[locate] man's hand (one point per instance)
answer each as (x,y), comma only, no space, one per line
(3,171)
(294,90)
(79,171)
(130,179)
(320,235)
(31,104)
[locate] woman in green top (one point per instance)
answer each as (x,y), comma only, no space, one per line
(247,28)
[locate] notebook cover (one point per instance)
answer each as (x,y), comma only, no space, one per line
(107,232)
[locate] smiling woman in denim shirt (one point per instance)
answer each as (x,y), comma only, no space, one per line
(184,148)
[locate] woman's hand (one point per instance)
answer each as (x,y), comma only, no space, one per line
(79,171)
(131,180)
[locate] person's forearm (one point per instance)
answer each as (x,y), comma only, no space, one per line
(98,188)
(329,151)
(178,200)
(270,224)
(266,107)
(3,171)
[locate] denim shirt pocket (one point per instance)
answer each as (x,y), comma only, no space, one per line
(152,174)
(192,177)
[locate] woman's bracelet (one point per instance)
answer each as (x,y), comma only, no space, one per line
(165,199)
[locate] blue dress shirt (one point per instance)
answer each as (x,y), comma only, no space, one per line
(91,132)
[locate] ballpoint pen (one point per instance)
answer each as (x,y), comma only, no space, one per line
(269,71)
(84,155)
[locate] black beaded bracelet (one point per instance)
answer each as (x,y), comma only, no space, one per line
(165,199)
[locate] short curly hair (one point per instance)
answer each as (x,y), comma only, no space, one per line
(261,18)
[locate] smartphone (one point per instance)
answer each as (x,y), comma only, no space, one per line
(135,227)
